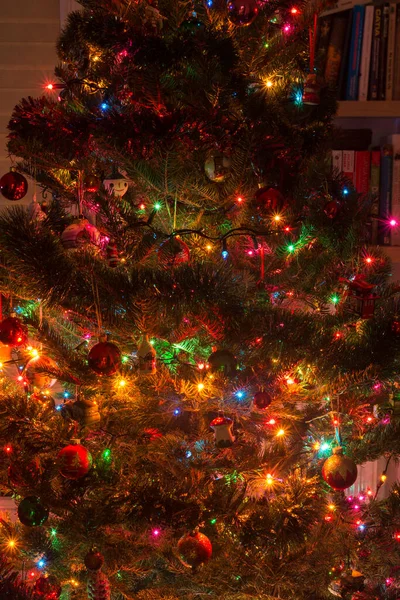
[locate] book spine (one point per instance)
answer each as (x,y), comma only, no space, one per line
(396,65)
(362,171)
(383,54)
(348,165)
(337,160)
(390,51)
(335,49)
(373,87)
(324,32)
(375,179)
(366,53)
(355,53)
(395,141)
(385,199)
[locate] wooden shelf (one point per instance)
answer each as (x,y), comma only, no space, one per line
(370,108)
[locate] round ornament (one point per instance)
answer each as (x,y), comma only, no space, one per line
(47,588)
(331,209)
(23,474)
(173,252)
(31,512)
(13,332)
(36,372)
(93,560)
(242,12)
(83,411)
(262,400)
(116,184)
(223,361)
(13,186)
(339,471)
(74,461)
(217,167)
(104,358)
(269,199)
(79,233)
(192,26)
(194,549)
(91,184)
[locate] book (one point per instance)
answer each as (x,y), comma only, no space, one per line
(362,169)
(344,64)
(322,43)
(390,51)
(375,179)
(348,165)
(337,156)
(355,52)
(366,52)
(383,53)
(396,65)
(373,86)
(335,48)
(395,211)
(385,198)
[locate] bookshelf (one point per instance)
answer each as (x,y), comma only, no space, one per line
(379,109)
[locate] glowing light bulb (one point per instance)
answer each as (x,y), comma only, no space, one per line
(269,83)
(239,199)
(250,252)
(335,299)
(331,507)
(383,478)
(269,479)
(177,412)
(368,260)
(225,254)
(290,381)
(155,532)
(294,11)
(290,248)
(280,433)
(49,86)
(142,206)
(157,206)
(11,544)
(317,446)
(20,378)
(392,222)
(277,218)
(287,28)
(325,446)
(200,387)
(271,422)
(239,394)
(209,247)
(200,366)
(122,383)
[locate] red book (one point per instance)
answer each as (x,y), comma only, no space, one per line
(362,171)
(348,165)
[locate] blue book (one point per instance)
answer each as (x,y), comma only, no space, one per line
(353,74)
(385,196)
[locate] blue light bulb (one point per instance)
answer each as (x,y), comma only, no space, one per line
(225,254)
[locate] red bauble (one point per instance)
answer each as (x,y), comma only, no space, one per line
(173,252)
(269,199)
(22,475)
(242,12)
(74,461)
(340,472)
(13,186)
(105,358)
(93,560)
(262,400)
(195,549)
(312,90)
(13,332)
(47,588)
(331,209)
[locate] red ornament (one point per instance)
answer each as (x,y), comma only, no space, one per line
(339,471)
(262,400)
(74,461)
(223,435)
(242,12)
(13,332)
(331,209)
(22,475)
(104,358)
(360,296)
(396,326)
(112,255)
(195,549)
(173,252)
(13,186)
(269,199)
(312,90)
(93,560)
(91,184)
(47,588)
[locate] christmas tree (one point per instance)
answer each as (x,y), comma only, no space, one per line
(200,287)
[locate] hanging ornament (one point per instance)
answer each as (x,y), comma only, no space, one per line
(269,199)
(47,588)
(331,209)
(104,358)
(223,361)
(152,19)
(36,372)
(93,560)
(5,353)
(116,184)
(13,185)
(192,25)
(217,167)
(83,411)
(147,357)
(22,474)
(98,586)
(74,461)
(195,549)
(173,252)
(91,184)
(35,211)
(312,90)
(360,296)
(13,332)
(262,400)
(339,471)
(223,435)
(80,233)
(31,512)
(349,582)
(112,255)
(242,12)
(395,327)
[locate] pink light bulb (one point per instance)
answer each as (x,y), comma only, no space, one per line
(250,252)
(393,222)
(286,28)
(155,532)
